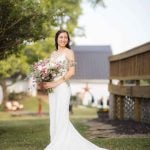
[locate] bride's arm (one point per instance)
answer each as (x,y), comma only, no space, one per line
(68,75)
(71,67)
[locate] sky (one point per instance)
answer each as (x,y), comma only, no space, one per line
(123,24)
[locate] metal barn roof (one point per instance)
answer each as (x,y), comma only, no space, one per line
(92,62)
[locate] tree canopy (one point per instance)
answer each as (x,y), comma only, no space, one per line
(27,30)
(23,21)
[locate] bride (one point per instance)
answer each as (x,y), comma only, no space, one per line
(63,135)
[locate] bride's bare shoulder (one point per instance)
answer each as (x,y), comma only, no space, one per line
(70,52)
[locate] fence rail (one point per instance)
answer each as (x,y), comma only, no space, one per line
(130,98)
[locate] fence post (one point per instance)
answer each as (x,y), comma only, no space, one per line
(121,107)
(115,107)
(121,98)
(137,105)
(137,112)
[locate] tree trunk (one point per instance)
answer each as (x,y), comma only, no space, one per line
(5,93)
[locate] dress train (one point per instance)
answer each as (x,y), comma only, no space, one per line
(63,135)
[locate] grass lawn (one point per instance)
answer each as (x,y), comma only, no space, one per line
(32,132)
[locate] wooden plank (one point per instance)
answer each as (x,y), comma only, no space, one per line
(132,52)
(120,90)
(137,66)
(121,107)
(115,107)
(137,110)
(133,91)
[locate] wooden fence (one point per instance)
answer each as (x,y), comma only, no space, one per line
(130,84)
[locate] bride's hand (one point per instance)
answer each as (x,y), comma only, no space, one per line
(39,85)
(48,85)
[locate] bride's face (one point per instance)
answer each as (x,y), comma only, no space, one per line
(62,39)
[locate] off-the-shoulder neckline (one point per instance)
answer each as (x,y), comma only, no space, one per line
(58,54)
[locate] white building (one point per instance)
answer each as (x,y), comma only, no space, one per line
(92,71)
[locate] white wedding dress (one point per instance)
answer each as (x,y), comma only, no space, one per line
(63,135)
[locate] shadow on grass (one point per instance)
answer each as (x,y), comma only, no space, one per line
(124,127)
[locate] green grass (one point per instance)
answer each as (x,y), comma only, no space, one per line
(28,134)
(124,143)
(34,135)
(31,104)
(32,132)
(24,134)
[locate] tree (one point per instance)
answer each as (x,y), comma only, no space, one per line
(24,22)
(67,16)
(14,66)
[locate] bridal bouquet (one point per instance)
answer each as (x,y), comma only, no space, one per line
(44,71)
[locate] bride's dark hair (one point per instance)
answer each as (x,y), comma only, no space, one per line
(56,38)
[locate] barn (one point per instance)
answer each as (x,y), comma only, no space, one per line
(92,72)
